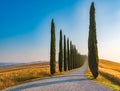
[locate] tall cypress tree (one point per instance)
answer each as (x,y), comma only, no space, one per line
(68,54)
(71,56)
(65,59)
(53,49)
(92,44)
(74,56)
(60,52)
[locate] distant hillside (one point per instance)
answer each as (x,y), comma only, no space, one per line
(8,64)
(2,64)
(16,66)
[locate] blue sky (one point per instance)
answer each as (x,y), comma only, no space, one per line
(25,27)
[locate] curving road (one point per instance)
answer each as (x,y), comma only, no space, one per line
(74,81)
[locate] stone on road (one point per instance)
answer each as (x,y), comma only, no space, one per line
(74,81)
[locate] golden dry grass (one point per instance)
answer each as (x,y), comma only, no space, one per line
(10,76)
(14,75)
(110,70)
(109,65)
(109,74)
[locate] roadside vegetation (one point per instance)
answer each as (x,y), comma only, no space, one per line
(109,74)
(14,75)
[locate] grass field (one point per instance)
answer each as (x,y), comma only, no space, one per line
(109,74)
(13,75)
(10,76)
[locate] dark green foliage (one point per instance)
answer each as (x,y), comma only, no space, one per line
(72,56)
(77,60)
(68,54)
(72,59)
(60,52)
(92,44)
(53,49)
(65,56)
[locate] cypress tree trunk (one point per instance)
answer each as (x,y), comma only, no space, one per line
(53,49)
(60,52)
(92,44)
(68,54)
(65,60)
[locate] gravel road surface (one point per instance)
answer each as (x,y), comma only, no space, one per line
(74,81)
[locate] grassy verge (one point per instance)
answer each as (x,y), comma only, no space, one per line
(16,75)
(107,76)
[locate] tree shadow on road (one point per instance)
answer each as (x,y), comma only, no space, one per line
(68,76)
(46,83)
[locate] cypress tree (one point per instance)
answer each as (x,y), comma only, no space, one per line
(68,54)
(75,57)
(92,44)
(52,49)
(65,59)
(72,56)
(60,52)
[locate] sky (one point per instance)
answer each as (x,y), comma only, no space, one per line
(25,28)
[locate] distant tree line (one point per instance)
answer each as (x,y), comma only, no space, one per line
(69,58)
